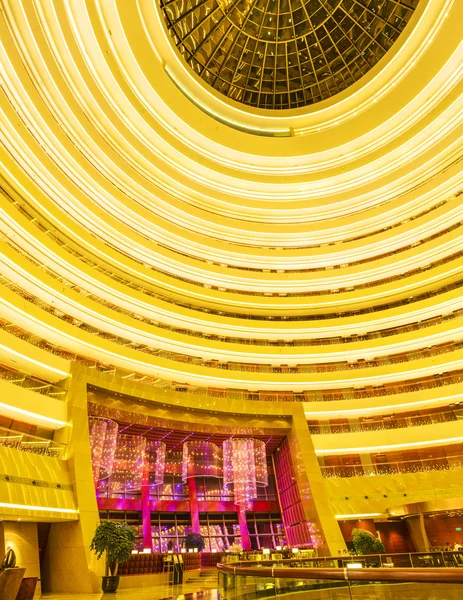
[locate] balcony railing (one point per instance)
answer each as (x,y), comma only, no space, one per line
(397,422)
(32,384)
(392,468)
(242,582)
(31,443)
(327,367)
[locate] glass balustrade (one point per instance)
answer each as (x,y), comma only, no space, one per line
(31,443)
(248,582)
(32,384)
(397,422)
(407,466)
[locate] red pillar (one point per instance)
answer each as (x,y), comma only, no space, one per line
(146,511)
(244,531)
(194,511)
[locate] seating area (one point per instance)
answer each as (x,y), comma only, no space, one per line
(145,564)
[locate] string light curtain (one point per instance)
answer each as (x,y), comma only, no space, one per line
(244,468)
(155,456)
(103,440)
(201,458)
(129,461)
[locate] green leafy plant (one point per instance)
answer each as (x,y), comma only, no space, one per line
(366,543)
(116,541)
(194,540)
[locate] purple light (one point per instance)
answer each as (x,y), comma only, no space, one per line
(244,468)
(103,438)
(200,458)
(155,454)
(128,464)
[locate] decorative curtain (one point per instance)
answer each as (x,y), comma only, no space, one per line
(103,440)
(244,468)
(129,461)
(201,458)
(155,455)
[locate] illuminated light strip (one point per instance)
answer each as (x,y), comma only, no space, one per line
(259,330)
(389,447)
(221,118)
(33,361)
(27,413)
(447,6)
(225,326)
(72,511)
(188,376)
(422,47)
(360,515)
(201,296)
(205,276)
(170,345)
(352,411)
(417,55)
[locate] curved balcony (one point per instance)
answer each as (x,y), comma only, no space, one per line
(392,468)
(32,384)
(396,421)
(25,442)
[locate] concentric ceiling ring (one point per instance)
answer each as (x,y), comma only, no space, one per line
(279,54)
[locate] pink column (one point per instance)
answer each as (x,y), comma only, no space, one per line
(194,511)
(146,510)
(244,531)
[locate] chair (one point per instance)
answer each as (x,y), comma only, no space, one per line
(10,582)
(27,588)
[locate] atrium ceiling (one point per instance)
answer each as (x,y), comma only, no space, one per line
(279,54)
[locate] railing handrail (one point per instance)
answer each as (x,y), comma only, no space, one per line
(366,469)
(397,421)
(19,440)
(427,575)
(16,433)
(31,383)
(344,557)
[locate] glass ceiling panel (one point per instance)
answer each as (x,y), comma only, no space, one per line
(278,54)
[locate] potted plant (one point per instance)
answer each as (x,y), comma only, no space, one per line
(116,541)
(194,540)
(366,543)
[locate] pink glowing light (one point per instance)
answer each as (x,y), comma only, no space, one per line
(201,458)
(155,456)
(244,468)
(129,461)
(103,438)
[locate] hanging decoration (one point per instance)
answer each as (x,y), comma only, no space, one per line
(127,475)
(155,456)
(201,458)
(103,440)
(244,468)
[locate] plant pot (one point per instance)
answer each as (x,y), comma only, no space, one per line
(110,584)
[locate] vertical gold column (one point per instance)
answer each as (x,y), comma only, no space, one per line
(69,566)
(311,485)
(417,530)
